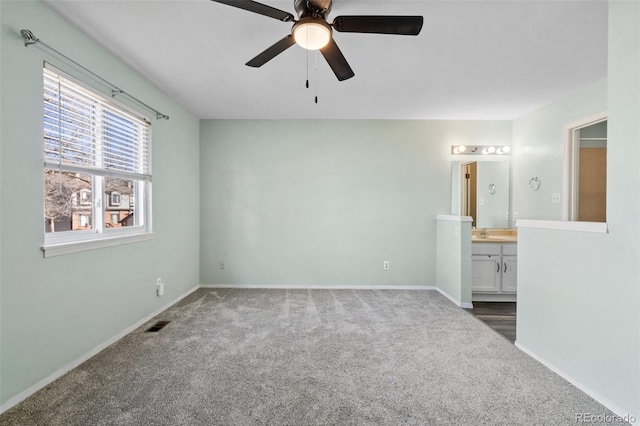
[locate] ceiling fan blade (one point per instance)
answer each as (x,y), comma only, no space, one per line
(336,61)
(272,52)
(401,25)
(259,8)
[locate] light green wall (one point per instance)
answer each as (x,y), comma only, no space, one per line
(326,202)
(538,150)
(57,309)
(598,130)
(579,293)
(453,259)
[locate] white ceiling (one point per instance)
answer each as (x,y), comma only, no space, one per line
(473,59)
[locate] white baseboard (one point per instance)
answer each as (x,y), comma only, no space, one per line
(448,296)
(464,305)
(321,287)
(75,363)
(630,418)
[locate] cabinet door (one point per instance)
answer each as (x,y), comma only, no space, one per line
(485,273)
(509,273)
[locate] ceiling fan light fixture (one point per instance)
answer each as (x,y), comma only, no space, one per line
(312,34)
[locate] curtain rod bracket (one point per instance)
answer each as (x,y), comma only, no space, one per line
(30,38)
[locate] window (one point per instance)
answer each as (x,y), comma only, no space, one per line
(85,197)
(115,199)
(96,161)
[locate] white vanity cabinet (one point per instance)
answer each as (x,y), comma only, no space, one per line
(493,271)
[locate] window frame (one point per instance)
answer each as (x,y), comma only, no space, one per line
(65,242)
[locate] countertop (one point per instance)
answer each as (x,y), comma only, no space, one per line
(495,236)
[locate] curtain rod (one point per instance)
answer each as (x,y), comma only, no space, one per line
(30,39)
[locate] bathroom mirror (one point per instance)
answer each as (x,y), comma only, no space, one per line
(480,188)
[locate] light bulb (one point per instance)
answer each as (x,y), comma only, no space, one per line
(312,35)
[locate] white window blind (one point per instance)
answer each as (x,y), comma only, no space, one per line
(82,130)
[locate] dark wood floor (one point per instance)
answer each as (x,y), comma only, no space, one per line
(500,316)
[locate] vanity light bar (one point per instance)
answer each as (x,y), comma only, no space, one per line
(480,150)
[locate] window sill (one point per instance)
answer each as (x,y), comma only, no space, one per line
(75,247)
(564,225)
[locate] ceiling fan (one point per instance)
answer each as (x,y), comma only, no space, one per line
(312,31)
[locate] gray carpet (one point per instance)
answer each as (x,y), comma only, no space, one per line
(309,357)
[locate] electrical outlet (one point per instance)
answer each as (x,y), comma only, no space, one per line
(385,265)
(159,287)
(555,198)
(515,215)
(222,265)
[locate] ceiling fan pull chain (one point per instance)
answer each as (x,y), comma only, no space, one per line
(307,69)
(316,69)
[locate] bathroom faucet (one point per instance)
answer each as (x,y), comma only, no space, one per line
(484,233)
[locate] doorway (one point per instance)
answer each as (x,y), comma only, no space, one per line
(586,166)
(499,316)
(468,202)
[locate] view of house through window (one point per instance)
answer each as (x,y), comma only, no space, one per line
(68,206)
(97,171)
(67,198)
